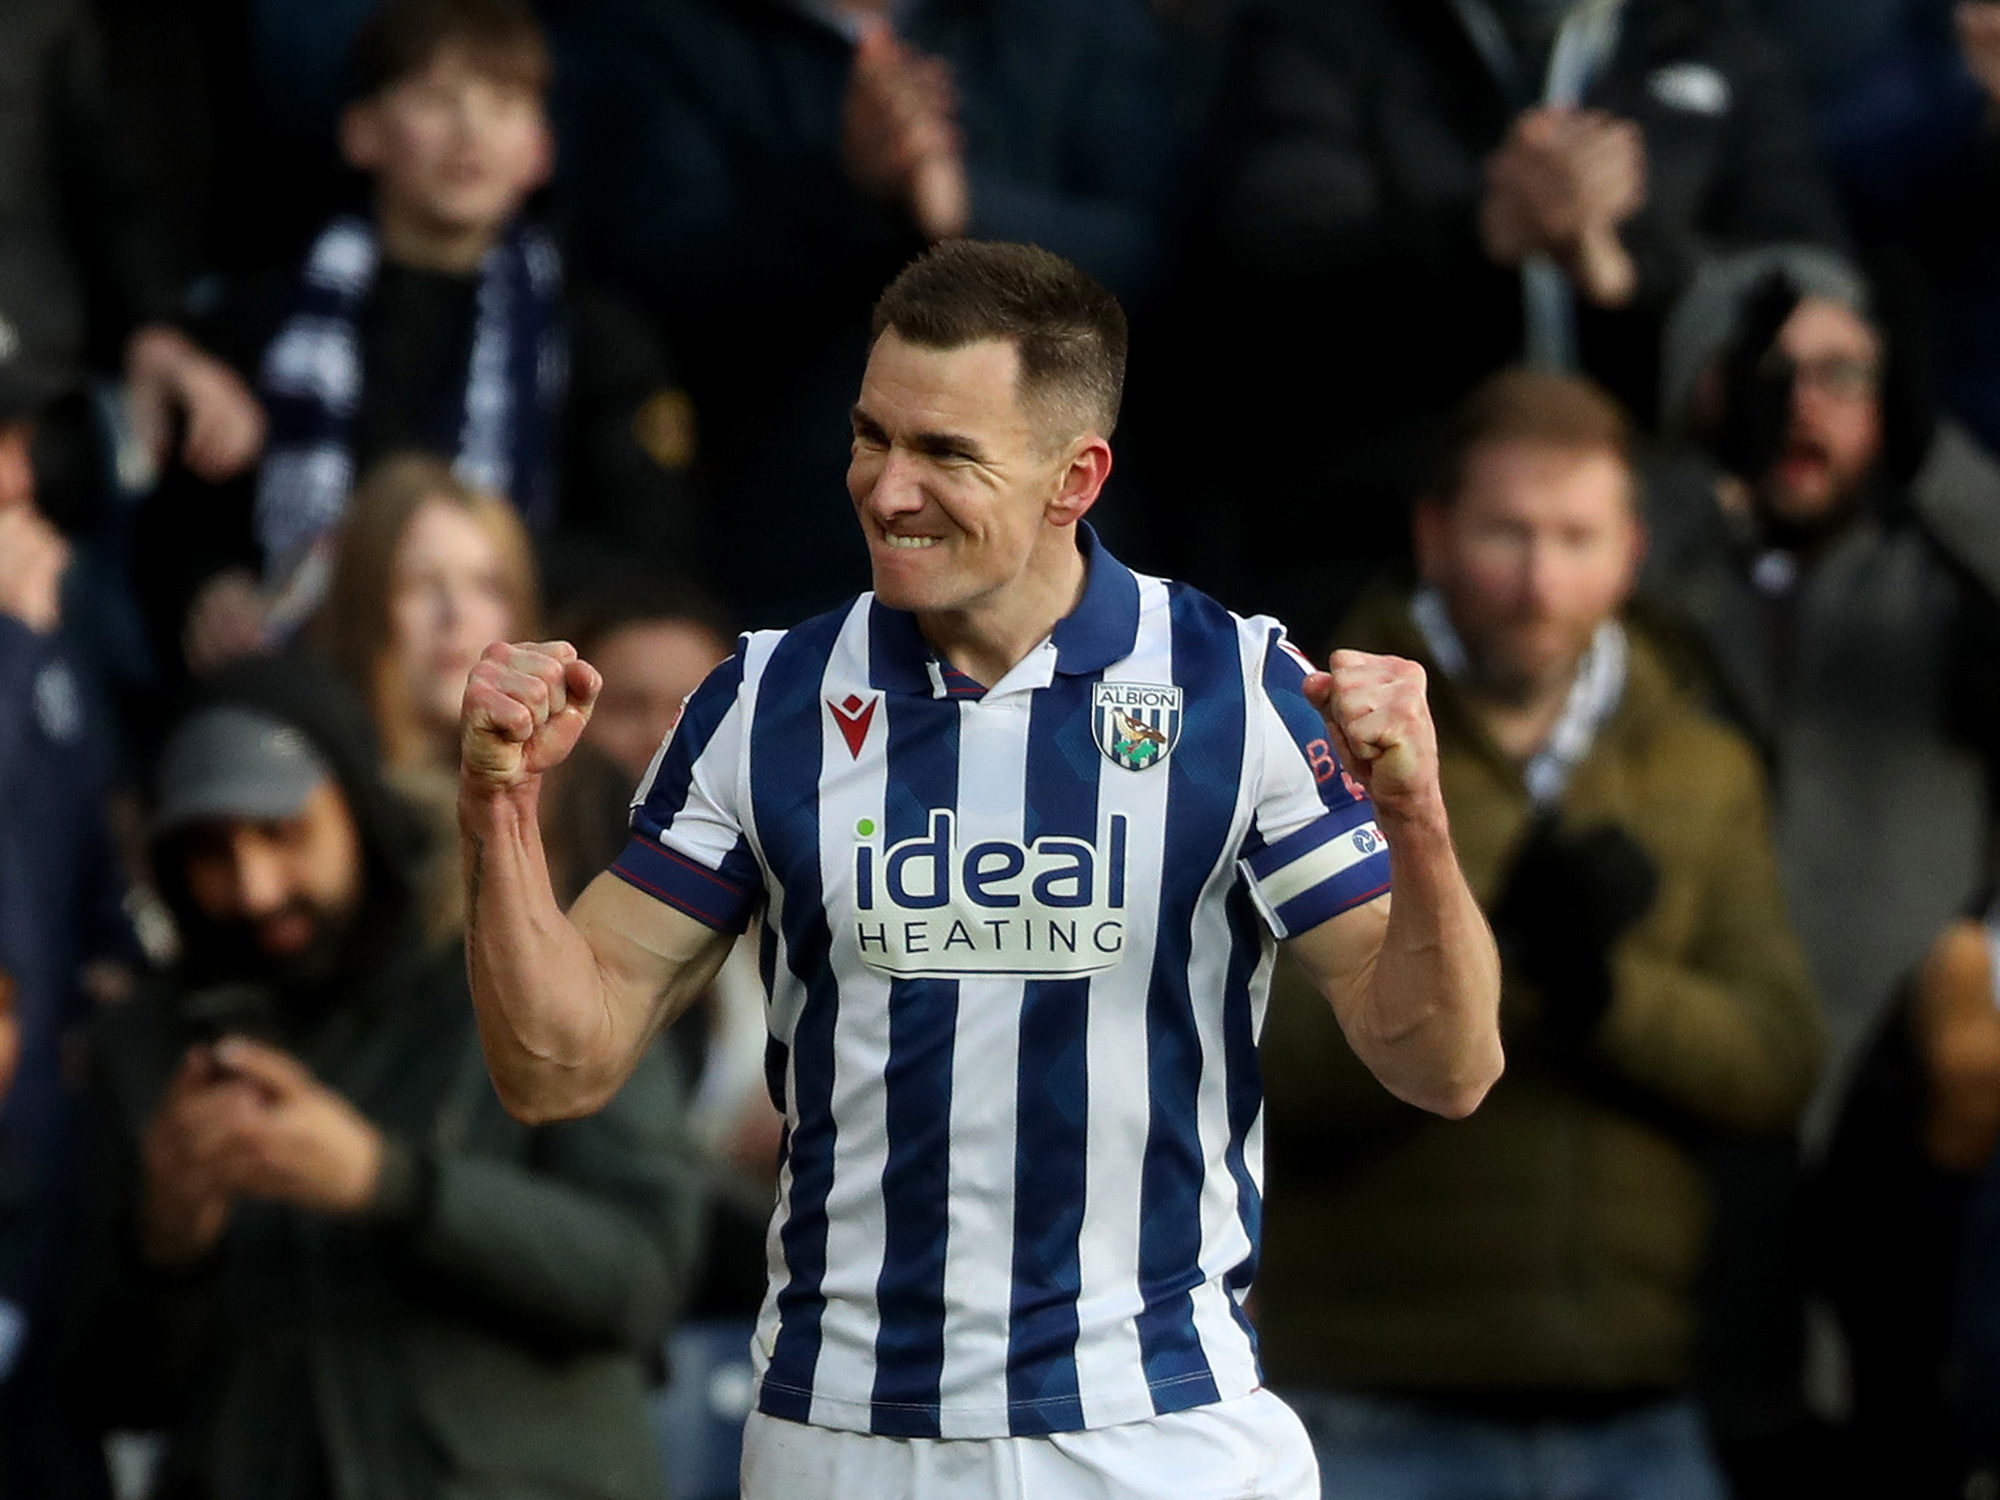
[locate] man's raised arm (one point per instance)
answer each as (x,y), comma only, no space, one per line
(1414,978)
(566,1004)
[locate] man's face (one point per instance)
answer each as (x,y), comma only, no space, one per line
(17,469)
(288,886)
(1540,548)
(953,482)
(649,668)
(1835,431)
(457,148)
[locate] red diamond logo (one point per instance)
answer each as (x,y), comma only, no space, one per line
(853,716)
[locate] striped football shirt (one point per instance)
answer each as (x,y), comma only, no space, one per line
(1017,942)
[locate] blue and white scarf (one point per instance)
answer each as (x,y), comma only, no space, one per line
(311,379)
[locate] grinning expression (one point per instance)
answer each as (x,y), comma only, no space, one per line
(953,483)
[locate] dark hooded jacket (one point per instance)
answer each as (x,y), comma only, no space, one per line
(487,1325)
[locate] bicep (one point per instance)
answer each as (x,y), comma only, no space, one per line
(654,958)
(1339,956)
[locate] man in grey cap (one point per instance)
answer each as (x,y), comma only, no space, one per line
(330,1263)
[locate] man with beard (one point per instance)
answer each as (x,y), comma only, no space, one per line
(1837,561)
(1507,1305)
(330,1264)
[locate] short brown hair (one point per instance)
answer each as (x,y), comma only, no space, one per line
(1069,329)
(1531,406)
(402,38)
(352,629)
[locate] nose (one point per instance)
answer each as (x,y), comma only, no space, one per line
(260,875)
(890,484)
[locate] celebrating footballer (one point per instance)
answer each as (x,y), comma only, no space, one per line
(1022,828)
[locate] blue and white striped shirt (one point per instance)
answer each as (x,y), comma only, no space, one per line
(1018,944)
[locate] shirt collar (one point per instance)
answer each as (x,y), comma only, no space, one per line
(1102,629)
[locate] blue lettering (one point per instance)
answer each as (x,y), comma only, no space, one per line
(879,933)
(1057,935)
(1116,929)
(1077,874)
(996,923)
(934,851)
(916,937)
(960,937)
(864,877)
(978,877)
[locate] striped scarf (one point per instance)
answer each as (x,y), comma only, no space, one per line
(311,380)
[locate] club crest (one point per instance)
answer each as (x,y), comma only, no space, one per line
(1136,723)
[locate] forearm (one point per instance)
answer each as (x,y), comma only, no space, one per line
(543,1007)
(1428,1024)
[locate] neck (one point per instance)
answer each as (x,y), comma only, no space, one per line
(1520,723)
(422,244)
(987,640)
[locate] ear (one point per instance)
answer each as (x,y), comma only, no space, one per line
(1430,532)
(361,143)
(1082,481)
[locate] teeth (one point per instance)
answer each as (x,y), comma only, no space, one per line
(910,541)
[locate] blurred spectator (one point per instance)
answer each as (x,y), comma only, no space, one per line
(87,278)
(1908,129)
(1906,1209)
(1838,564)
(429,573)
(1453,1307)
(653,640)
(1412,195)
(329,1261)
(440,322)
(759,171)
(62,931)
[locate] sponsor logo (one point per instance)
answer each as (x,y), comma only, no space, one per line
(1367,840)
(925,908)
(1136,723)
(853,716)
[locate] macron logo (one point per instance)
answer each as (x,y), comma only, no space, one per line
(853,716)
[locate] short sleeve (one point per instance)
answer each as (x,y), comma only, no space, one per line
(687,846)
(1314,850)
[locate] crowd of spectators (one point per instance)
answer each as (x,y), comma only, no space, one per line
(1632,364)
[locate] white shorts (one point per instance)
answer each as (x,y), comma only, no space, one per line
(1251,1448)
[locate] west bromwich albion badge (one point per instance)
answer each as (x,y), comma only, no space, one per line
(1136,723)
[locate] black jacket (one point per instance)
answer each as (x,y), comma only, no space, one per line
(1352,173)
(488,1326)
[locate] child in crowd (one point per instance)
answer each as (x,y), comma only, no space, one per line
(438,321)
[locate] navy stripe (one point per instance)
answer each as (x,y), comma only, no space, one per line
(716,898)
(1284,680)
(1203,773)
(1357,885)
(1245,1084)
(706,708)
(784,794)
(916,1179)
(1268,860)
(1053,1089)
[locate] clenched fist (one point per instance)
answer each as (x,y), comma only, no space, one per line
(1380,721)
(525,706)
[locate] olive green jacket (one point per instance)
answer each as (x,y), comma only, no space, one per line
(1551,1241)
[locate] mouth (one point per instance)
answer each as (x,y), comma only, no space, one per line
(909,543)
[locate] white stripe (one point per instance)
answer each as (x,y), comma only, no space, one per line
(1335,857)
(1111,1376)
(851,789)
(985,1104)
(316,357)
